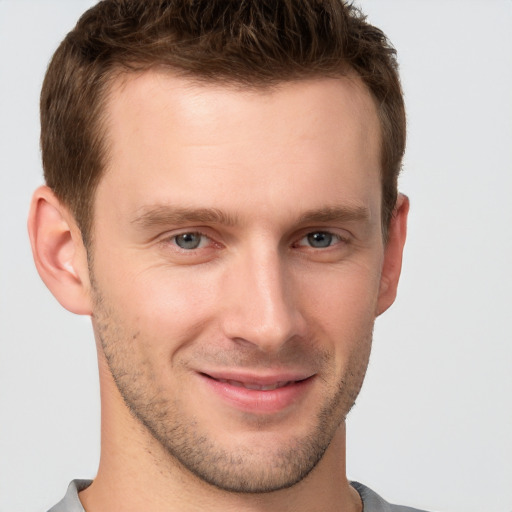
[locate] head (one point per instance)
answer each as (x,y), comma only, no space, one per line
(231,168)
(249,45)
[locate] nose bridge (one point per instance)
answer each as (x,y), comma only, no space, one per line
(263,310)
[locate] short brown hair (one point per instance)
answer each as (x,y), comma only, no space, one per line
(254,43)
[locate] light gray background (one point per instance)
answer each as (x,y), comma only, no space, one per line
(433,425)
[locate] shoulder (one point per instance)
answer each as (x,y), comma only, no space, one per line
(372,502)
(71,502)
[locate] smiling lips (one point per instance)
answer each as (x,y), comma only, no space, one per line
(255,386)
(259,395)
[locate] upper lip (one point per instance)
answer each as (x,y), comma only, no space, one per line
(258,379)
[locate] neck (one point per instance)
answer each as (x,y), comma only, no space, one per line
(135,470)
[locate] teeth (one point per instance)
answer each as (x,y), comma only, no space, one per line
(257,387)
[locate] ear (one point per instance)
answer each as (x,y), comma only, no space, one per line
(392,264)
(59,252)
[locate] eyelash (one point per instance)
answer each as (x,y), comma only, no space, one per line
(201,244)
(333,239)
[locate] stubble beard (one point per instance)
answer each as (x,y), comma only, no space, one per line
(186,443)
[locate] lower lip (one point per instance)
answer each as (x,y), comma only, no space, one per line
(257,401)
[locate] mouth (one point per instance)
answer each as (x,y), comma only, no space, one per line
(258,393)
(255,386)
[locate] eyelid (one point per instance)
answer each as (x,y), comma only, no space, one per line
(203,240)
(169,238)
(340,237)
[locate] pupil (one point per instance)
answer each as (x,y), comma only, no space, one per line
(320,239)
(188,240)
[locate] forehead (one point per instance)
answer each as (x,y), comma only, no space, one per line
(173,140)
(163,96)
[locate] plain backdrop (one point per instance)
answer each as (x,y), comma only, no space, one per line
(433,424)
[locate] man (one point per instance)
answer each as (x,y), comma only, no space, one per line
(221,199)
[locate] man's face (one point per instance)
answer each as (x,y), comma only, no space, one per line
(236,268)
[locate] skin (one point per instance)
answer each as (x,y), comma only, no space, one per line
(281,191)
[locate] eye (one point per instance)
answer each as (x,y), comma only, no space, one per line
(191,241)
(319,239)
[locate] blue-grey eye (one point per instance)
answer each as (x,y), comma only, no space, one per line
(320,239)
(189,240)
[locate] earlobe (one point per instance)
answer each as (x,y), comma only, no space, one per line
(58,250)
(393,251)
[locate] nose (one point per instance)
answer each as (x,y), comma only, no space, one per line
(261,302)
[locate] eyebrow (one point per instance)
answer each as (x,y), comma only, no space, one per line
(155,216)
(335,214)
(161,215)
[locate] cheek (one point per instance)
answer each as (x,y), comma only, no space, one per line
(343,295)
(167,307)
(339,307)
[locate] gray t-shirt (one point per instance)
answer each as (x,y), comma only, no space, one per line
(372,502)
